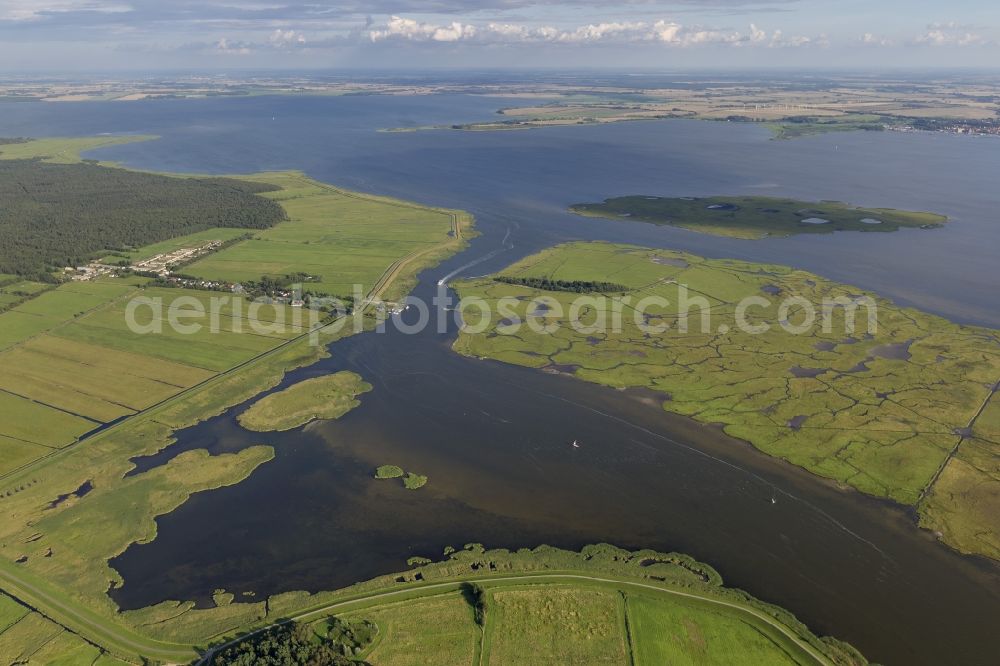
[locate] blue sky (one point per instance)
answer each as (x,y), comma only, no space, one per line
(68,35)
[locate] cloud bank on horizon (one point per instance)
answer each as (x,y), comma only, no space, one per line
(162,34)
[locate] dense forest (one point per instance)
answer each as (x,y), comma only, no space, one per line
(57,215)
(578,286)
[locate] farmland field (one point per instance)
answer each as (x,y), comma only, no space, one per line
(664,632)
(333,235)
(29,638)
(556,625)
(576,623)
(438,630)
(190,240)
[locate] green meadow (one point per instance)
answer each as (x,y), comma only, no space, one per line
(811,126)
(684,633)
(63,150)
(556,625)
(339,238)
(438,630)
(757,217)
(880,411)
(196,239)
(26,637)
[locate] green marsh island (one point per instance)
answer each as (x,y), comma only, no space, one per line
(328,397)
(411,480)
(908,412)
(757,217)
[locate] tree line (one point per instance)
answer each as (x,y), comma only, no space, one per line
(578,286)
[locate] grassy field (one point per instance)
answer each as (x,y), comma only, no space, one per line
(439,630)
(14,291)
(757,217)
(880,412)
(64,150)
(340,238)
(814,125)
(29,638)
(190,240)
(71,363)
(555,625)
(328,397)
(663,632)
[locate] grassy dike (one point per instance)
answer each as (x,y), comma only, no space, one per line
(906,411)
(546,601)
(73,509)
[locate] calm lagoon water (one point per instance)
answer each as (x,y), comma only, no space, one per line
(494,439)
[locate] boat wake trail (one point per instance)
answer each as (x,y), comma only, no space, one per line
(505,245)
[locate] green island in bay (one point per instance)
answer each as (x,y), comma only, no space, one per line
(908,411)
(411,480)
(755,217)
(327,397)
(389,472)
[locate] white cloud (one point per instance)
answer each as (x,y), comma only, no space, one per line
(286,38)
(404,28)
(871,39)
(226,47)
(951,34)
(661,31)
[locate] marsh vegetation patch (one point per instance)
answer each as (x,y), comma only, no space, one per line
(757,217)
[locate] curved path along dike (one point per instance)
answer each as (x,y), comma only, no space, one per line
(432,589)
